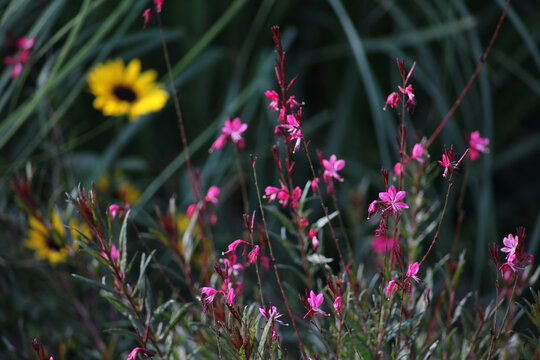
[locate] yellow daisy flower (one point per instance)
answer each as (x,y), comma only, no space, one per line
(49,240)
(123,89)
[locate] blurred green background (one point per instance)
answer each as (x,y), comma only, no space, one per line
(222,57)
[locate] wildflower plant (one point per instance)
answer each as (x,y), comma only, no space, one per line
(264,234)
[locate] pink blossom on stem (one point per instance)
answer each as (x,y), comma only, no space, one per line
(315,301)
(191,210)
(234,129)
(510,242)
(232,246)
(312,236)
(391,288)
(398,169)
(391,199)
(337,304)
(210,293)
(271,314)
(158,4)
(392,100)
(446,163)
(314,184)
(212,194)
(274,99)
(133,354)
(147,15)
(331,167)
(417,153)
(254,254)
(219,144)
(24,44)
(115,210)
(412,271)
(477,144)
(231,296)
(294,127)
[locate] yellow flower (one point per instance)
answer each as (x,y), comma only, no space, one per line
(48,240)
(123,90)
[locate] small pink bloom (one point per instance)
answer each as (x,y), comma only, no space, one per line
(210,293)
(417,153)
(477,144)
(315,301)
(232,246)
(191,210)
(114,253)
(391,199)
(407,91)
(412,271)
(398,169)
(380,242)
(147,15)
(271,314)
(314,184)
(115,210)
(391,288)
(510,242)
(212,194)
(25,43)
(337,304)
(372,207)
(312,236)
(20,58)
(254,254)
(331,167)
(158,4)
(234,129)
(392,100)
(133,354)
(292,103)
(274,99)
(231,296)
(296,196)
(219,144)
(304,222)
(446,163)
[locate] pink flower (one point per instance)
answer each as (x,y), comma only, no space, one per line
(233,129)
(391,288)
(407,91)
(158,4)
(315,301)
(210,293)
(133,354)
(232,246)
(191,210)
(391,199)
(417,153)
(231,296)
(337,304)
(295,130)
(281,194)
(254,254)
(380,242)
(312,236)
(398,169)
(314,184)
(116,210)
(392,100)
(446,163)
(274,99)
(212,194)
(331,167)
(20,58)
(219,144)
(477,144)
(412,271)
(511,243)
(271,314)
(147,15)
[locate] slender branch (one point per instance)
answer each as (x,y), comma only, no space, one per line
(481,62)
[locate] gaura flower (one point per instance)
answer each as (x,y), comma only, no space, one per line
(331,168)
(477,144)
(121,89)
(49,241)
(315,301)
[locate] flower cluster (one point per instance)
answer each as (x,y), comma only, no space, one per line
(516,258)
(23,46)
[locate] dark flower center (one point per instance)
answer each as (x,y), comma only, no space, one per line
(52,244)
(124,93)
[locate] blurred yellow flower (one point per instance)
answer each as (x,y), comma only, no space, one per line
(48,240)
(121,89)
